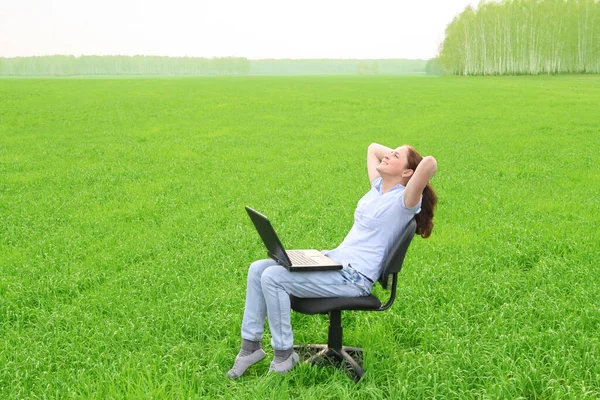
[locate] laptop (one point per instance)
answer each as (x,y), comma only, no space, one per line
(293,260)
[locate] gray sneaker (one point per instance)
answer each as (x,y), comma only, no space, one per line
(243,363)
(285,366)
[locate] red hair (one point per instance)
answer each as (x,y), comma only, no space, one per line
(425,217)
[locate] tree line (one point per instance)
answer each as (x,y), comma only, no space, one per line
(512,37)
(337,67)
(60,65)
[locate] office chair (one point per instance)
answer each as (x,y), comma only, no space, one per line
(334,352)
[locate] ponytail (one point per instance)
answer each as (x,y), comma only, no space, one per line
(424,218)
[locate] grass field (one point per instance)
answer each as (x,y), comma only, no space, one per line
(124,243)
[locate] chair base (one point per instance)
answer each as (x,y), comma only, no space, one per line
(344,358)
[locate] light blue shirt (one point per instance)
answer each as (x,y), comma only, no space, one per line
(378,221)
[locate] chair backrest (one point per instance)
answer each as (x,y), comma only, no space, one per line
(393,264)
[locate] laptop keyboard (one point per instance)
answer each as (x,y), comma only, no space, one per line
(299,258)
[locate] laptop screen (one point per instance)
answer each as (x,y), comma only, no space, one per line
(268,236)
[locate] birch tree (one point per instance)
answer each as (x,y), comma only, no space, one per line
(524,37)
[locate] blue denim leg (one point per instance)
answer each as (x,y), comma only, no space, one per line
(278,283)
(255,311)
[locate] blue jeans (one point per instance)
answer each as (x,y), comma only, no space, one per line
(267,296)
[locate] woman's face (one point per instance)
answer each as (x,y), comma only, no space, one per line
(394,163)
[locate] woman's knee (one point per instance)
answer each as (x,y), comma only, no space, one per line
(257,268)
(272,275)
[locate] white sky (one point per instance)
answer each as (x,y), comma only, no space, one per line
(220,28)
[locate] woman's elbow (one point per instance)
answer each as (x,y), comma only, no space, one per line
(429,163)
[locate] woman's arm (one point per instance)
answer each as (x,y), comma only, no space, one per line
(418,181)
(375,154)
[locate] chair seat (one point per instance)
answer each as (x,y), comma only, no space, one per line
(325,305)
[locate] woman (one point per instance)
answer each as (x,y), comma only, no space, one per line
(400,190)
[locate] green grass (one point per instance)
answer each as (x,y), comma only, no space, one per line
(124,243)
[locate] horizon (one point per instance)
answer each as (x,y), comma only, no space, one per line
(249,59)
